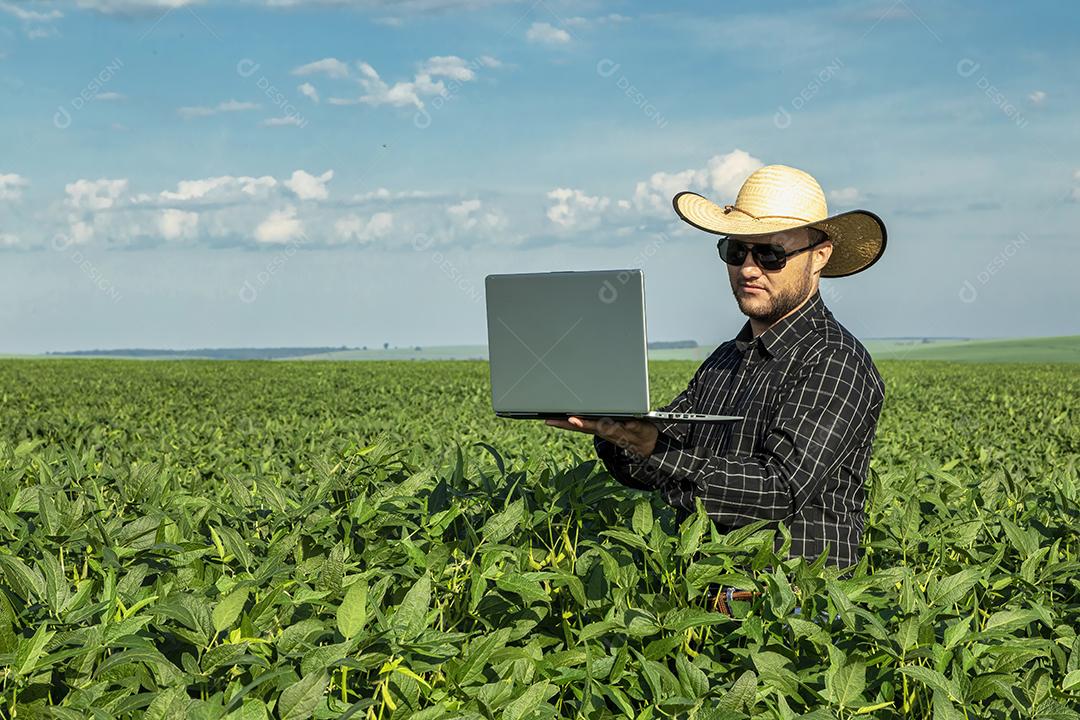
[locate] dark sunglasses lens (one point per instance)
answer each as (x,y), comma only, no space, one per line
(770,257)
(734,252)
(731,251)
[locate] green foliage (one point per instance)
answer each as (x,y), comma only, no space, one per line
(260,540)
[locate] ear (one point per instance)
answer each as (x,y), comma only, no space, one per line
(821,254)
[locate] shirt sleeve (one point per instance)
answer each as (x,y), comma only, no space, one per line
(629,468)
(831,407)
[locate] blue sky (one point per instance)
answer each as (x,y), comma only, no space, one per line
(283,172)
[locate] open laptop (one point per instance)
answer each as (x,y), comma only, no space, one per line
(572,343)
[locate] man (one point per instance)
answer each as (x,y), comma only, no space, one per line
(808,390)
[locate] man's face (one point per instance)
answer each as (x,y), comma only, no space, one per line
(768,295)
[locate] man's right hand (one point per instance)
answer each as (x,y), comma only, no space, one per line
(636,436)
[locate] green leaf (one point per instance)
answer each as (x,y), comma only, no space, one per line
(29,651)
(846,684)
(352,613)
(57,590)
(526,704)
(944,709)
(642,521)
(528,589)
(499,526)
(773,670)
(742,693)
(1009,620)
(410,615)
(1026,542)
(932,679)
(300,700)
(811,630)
(476,656)
(1054,710)
(596,629)
(690,533)
(229,608)
(27,582)
(693,679)
(171,704)
(627,538)
(252,709)
(950,590)
(907,635)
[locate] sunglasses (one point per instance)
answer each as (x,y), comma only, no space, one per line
(768,256)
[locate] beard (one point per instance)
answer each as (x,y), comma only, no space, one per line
(775,305)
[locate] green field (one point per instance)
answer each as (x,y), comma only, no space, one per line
(205,539)
(1036,350)
(1024,350)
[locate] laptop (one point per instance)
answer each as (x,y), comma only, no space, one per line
(572,343)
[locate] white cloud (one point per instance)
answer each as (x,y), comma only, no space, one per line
(81,232)
(354,228)
(280,226)
(309,187)
(384,195)
(721,178)
(93,195)
(284,121)
(118,7)
(11,186)
(191,111)
(463,213)
(426,81)
(236,106)
(726,173)
(546,34)
(227,106)
(30,15)
(221,189)
(377,92)
(8,240)
(308,90)
(463,208)
(574,208)
(331,67)
(1038,97)
(406,7)
(36,24)
(654,194)
(41,31)
(585,22)
(845,196)
(107,96)
(174,224)
(450,66)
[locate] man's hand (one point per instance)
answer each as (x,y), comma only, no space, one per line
(636,436)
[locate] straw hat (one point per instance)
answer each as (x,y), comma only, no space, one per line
(778,197)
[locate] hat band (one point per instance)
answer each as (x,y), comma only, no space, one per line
(729,208)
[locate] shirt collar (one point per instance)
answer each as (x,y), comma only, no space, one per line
(784,334)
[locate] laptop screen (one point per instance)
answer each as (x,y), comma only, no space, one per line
(568,342)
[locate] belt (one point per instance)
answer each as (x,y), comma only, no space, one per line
(721,603)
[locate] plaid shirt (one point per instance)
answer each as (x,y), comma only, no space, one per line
(811,398)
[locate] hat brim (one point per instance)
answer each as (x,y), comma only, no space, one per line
(858,236)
